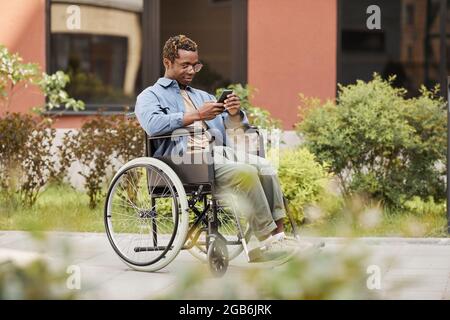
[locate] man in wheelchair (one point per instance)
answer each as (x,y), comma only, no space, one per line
(171,104)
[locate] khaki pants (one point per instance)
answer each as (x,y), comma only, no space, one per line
(253,186)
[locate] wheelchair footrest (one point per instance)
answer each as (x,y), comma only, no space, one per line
(255,255)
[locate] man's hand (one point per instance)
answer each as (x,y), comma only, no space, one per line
(210,110)
(232,104)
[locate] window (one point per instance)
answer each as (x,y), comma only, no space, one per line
(210,27)
(116,52)
(103,56)
(363,41)
(408,45)
(410,14)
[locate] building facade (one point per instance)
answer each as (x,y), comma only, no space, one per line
(112,48)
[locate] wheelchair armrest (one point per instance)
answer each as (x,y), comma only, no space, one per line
(190,130)
(248,126)
(183,132)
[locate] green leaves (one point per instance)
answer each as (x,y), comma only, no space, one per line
(53,88)
(379,142)
(26,160)
(256,115)
(302,178)
(13,69)
(14,73)
(101,146)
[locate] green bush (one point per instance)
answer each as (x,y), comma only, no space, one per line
(419,207)
(256,115)
(99,142)
(302,179)
(380,143)
(26,162)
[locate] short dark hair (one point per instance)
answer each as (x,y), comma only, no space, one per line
(173,44)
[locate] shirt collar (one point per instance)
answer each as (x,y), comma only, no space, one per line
(166,82)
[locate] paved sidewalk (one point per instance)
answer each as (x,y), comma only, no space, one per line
(424,262)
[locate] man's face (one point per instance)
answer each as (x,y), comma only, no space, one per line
(182,69)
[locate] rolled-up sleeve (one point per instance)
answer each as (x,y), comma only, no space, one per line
(152,117)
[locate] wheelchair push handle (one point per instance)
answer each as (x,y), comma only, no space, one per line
(130,115)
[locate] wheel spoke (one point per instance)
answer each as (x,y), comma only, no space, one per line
(131,215)
(228,228)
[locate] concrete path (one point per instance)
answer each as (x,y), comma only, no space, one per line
(423,262)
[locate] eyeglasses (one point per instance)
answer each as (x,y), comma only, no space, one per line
(196,67)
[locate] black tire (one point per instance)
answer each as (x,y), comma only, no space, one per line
(218,257)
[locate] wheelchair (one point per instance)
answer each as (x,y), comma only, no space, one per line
(156,207)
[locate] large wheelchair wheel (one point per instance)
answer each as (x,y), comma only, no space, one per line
(229,228)
(146,214)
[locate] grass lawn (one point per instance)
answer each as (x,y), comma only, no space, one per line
(62,208)
(58,208)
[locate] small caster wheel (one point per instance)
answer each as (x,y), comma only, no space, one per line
(218,257)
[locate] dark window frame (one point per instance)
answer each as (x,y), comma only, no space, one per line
(151,49)
(442,44)
(219,3)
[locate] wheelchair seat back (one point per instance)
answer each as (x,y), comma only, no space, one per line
(195,168)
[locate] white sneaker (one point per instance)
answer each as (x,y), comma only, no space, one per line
(280,242)
(279,247)
(272,239)
(258,253)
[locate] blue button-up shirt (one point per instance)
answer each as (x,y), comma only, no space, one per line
(160,110)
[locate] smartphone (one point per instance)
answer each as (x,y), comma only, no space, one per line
(224,95)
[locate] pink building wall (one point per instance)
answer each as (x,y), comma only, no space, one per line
(22,30)
(291,49)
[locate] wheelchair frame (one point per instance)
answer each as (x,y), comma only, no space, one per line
(204,188)
(198,181)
